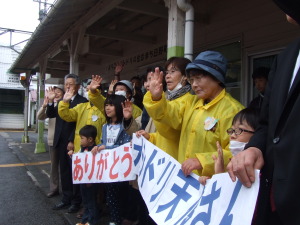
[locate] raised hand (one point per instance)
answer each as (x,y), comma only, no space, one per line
(45,103)
(134,90)
(111,86)
(156,84)
(219,160)
(119,67)
(51,94)
(127,109)
(95,83)
(68,95)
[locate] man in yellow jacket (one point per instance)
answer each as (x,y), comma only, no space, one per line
(203,118)
(83,114)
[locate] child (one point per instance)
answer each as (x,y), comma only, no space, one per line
(89,192)
(244,124)
(113,135)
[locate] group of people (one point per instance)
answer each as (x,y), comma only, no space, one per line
(187,113)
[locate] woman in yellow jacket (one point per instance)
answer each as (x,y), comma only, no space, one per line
(203,118)
(178,90)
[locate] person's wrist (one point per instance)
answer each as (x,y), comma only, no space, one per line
(93,91)
(128,118)
(156,98)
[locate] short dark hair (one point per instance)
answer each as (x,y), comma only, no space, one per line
(74,76)
(195,72)
(179,62)
(88,131)
(250,115)
(261,72)
(116,101)
(135,78)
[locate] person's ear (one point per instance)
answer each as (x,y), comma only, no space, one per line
(90,139)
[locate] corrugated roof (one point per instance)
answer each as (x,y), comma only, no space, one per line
(58,21)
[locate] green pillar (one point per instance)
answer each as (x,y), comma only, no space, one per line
(25,138)
(40,145)
(175,51)
(176,21)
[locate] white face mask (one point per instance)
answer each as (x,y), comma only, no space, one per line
(178,86)
(123,93)
(236,147)
(86,95)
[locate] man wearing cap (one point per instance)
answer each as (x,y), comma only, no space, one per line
(123,87)
(203,118)
(42,115)
(275,144)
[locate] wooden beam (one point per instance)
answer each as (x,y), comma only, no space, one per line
(102,51)
(145,7)
(121,36)
(88,61)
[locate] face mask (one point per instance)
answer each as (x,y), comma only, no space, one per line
(121,93)
(178,86)
(86,95)
(236,147)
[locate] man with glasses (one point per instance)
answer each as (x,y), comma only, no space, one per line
(64,141)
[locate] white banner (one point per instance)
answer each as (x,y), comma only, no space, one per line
(171,197)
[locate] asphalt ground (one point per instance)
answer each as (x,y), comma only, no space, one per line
(24,183)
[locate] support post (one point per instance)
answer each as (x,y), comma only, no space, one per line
(25,137)
(40,145)
(176,23)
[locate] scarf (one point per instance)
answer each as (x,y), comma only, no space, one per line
(182,91)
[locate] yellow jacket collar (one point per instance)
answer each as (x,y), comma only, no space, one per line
(213,102)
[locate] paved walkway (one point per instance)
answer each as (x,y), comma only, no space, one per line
(37,166)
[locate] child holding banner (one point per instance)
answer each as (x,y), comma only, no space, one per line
(243,126)
(114,135)
(89,191)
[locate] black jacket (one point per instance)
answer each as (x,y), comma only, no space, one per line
(278,136)
(64,131)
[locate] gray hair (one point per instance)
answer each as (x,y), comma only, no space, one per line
(74,76)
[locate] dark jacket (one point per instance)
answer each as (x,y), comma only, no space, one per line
(122,137)
(279,134)
(256,103)
(64,131)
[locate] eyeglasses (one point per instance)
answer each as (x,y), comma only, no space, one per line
(172,71)
(238,131)
(69,84)
(196,78)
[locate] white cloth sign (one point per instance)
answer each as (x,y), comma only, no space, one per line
(171,197)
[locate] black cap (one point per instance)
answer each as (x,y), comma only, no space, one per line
(290,7)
